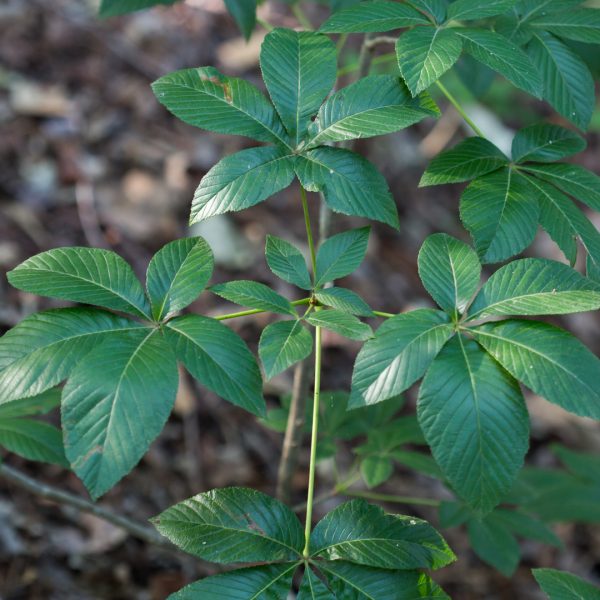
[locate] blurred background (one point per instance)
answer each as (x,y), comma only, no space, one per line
(88,157)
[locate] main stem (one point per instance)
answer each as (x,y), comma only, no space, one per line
(313,443)
(309,235)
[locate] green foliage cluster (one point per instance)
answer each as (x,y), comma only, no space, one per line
(118,354)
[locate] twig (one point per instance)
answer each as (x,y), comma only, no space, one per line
(49,492)
(293,432)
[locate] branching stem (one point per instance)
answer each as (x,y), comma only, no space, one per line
(459,109)
(256,311)
(389,497)
(309,235)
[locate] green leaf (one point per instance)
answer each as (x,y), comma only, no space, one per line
(374,105)
(341,255)
(42,350)
(474,419)
(33,440)
(560,585)
(252,583)
(453,514)
(349,580)
(501,214)
(255,295)
(242,180)
(177,274)
(582,464)
(350,183)
(501,55)
(548,360)
(287,262)
(244,13)
(545,143)
(565,223)
(417,461)
(478,9)
(581,24)
(470,158)
(567,83)
(525,526)
(344,299)
(341,323)
(36,405)
(450,271)
(312,588)
(436,8)
(532,9)
(398,355)
(205,98)
(87,275)
(112,8)
(116,402)
(299,70)
(233,525)
(535,286)
(218,358)
(574,180)
(362,533)
(425,54)
(374,16)
(376,469)
(495,545)
(283,344)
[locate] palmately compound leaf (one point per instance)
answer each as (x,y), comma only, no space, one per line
(242,180)
(501,55)
(341,255)
(115,403)
(500,211)
(283,344)
(299,70)
(450,271)
(344,299)
(350,183)
(177,274)
(580,24)
(535,286)
(287,262)
(244,13)
(560,585)
(373,17)
(342,323)
(349,580)
(495,545)
(254,295)
(398,355)
(545,143)
(478,9)
(548,360)
(312,588)
(33,440)
(425,54)
(86,275)
(254,583)
(233,525)
(473,157)
(567,82)
(374,105)
(564,222)
(42,350)
(475,421)
(219,359)
(574,180)
(362,533)
(206,98)
(112,8)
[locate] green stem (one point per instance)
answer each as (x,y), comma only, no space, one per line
(390,498)
(313,444)
(382,58)
(459,108)
(309,236)
(302,18)
(265,24)
(385,315)
(341,42)
(256,311)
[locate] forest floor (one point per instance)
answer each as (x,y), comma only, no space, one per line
(88,157)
